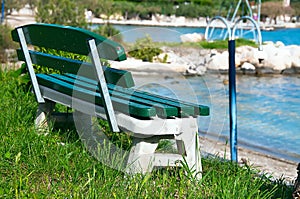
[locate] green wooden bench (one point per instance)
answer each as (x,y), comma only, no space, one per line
(94,90)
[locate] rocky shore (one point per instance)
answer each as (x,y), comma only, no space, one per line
(275,58)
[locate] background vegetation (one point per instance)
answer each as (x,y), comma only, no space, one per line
(5,42)
(145,9)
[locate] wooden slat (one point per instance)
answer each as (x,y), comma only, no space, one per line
(118,77)
(70,39)
(122,78)
(198,109)
(121,105)
(184,108)
(162,110)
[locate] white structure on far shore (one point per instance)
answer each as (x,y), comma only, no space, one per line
(286,3)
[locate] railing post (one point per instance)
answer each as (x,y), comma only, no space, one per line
(232,101)
(232,77)
(2,12)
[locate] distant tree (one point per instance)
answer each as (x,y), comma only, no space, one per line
(101,7)
(272,9)
(127,9)
(5,42)
(288,11)
(193,10)
(33,4)
(65,12)
(11,5)
(107,8)
(296,7)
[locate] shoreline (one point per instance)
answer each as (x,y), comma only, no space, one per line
(21,19)
(274,167)
(186,22)
(287,156)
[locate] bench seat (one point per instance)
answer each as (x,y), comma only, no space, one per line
(133,102)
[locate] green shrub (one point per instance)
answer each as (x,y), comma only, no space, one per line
(5,42)
(145,49)
(65,12)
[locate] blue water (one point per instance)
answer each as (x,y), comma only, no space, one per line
(172,34)
(268,107)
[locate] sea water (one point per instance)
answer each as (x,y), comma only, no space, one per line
(130,33)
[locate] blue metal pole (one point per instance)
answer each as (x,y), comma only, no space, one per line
(232,101)
(2,12)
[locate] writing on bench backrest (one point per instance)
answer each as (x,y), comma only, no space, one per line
(72,40)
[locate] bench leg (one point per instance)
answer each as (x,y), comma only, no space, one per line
(141,157)
(42,116)
(188,146)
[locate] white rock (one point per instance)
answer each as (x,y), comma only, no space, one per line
(268,42)
(260,55)
(295,54)
(191,37)
(277,58)
(218,62)
(248,54)
(201,70)
(171,57)
(238,60)
(279,44)
(295,62)
(248,66)
(213,52)
(191,71)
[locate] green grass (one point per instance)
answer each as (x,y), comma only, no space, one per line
(221,44)
(218,44)
(58,165)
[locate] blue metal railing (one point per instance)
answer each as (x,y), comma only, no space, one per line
(232,77)
(2,12)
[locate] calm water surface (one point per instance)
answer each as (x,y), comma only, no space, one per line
(172,34)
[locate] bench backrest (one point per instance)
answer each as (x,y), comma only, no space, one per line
(72,40)
(68,49)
